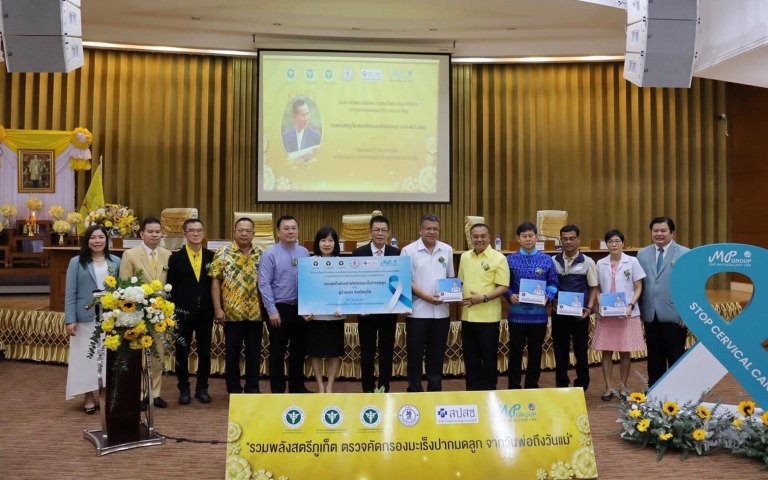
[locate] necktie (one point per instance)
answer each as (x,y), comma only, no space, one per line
(659,260)
(378,252)
(153,262)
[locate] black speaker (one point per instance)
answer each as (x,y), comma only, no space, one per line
(661,42)
(42,35)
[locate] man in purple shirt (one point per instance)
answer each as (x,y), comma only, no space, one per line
(279,287)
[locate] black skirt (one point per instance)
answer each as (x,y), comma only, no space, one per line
(325,338)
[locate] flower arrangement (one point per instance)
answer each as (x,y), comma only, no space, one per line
(627,274)
(692,427)
(7,210)
(61,227)
(118,219)
(56,212)
(132,313)
(34,203)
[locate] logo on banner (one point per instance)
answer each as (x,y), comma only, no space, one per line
(332,417)
(515,412)
(409,415)
(731,258)
(453,414)
(293,417)
(370,416)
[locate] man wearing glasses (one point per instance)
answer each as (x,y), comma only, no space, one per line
(427,327)
(577,274)
(236,306)
(279,287)
(191,293)
(383,325)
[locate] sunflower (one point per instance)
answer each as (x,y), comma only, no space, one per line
(146,341)
(671,408)
(160,327)
(110,281)
(699,435)
(747,408)
(665,436)
(737,423)
(643,425)
(130,334)
(703,412)
(637,397)
(127,306)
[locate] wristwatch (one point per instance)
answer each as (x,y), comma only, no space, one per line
(631,305)
(485,298)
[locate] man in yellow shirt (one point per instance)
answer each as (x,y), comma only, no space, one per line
(485,276)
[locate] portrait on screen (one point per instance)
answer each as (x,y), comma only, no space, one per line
(37,171)
(301,129)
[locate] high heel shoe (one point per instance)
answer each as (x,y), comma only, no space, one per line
(90,410)
(607,397)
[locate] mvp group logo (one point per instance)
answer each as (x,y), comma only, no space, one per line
(332,417)
(370,416)
(515,412)
(453,414)
(293,417)
(731,258)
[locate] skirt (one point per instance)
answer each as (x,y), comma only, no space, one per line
(325,338)
(618,334)
(82,376)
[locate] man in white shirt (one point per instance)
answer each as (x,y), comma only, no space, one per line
(427,327)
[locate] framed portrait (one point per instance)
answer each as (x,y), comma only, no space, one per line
(37,171)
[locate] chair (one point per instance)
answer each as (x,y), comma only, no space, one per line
(263,229)
(171,221)
(357,227)
(469,222)
(549,223)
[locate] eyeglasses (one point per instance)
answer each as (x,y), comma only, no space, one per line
(380,230)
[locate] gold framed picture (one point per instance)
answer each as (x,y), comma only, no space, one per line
(37,171)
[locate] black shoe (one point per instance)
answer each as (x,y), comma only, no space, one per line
(253,390)
(144,404)
(202,396)
(184,397)
(301,389)
(159,403)
(607,397)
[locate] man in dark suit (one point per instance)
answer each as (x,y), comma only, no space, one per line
(301,136)
(368,326)
(665,332)
(191,292)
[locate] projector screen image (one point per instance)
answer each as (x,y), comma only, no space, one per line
(353,127)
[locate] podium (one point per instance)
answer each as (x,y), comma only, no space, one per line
(122,427)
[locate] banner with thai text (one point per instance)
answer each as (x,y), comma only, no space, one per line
(537,434)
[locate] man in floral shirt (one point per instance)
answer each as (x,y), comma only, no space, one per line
(236,305)
(528,321)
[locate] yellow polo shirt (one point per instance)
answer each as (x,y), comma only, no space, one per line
(482,274)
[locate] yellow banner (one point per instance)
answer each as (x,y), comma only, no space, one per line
(521,434)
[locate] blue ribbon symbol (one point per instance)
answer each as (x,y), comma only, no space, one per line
(396,289)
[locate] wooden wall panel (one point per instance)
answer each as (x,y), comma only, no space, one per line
(179,130)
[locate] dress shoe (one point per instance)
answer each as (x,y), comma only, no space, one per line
(301,389)
(184,398)
(202,396)
(607,397)
(160,403)
(254,390)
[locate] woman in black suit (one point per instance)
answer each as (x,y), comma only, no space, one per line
(325,333)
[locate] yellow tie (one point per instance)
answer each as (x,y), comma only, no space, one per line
(153,262)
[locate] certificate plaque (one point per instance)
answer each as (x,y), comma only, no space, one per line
(354,285)
(613,304)
(533,291)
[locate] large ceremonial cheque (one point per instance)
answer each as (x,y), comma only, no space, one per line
(348,285)
(526,434)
